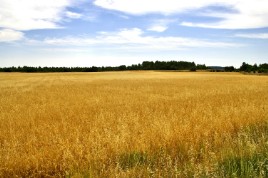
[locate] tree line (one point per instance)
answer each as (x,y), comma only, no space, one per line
(261,68)
(146,65)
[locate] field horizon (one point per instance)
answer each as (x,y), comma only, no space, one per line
(133,124)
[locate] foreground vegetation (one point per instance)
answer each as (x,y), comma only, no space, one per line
(133,124)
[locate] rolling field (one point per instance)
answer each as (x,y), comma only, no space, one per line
(133,124)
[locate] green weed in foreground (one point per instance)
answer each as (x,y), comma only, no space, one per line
(255,165)
(250,164)
(241,161)
(130,160)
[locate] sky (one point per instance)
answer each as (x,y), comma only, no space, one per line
(124,32)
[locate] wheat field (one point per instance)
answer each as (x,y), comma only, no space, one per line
(133,124)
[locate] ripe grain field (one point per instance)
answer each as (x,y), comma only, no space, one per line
(133,124)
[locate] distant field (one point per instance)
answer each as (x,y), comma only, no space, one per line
(133,124)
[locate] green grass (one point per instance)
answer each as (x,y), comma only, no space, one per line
(130,160)
(255,165)
(250,162)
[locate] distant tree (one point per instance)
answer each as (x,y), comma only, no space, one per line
(201,67)
(133,67)
(229,69)
(263,68)
(7,69)
(254,68)
(148,65)
(193,69)
(122,67)
(246,67)
(94,69)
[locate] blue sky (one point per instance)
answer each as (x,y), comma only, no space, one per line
(115,32)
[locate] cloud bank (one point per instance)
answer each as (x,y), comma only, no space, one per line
(34,14)
(253,35)
(135,39)
(245,14)
(7,35)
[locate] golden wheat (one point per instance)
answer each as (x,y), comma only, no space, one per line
(126,124)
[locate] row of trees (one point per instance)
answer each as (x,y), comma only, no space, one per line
(48,69)
(261,68)
(146,65)
(245,67)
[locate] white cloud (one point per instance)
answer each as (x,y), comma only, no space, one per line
(253,35)
(246,13)
(158,28)
(7,35)
(136,39)
(160,25)
(33,14)
(139,7)
(73,15)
